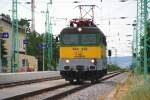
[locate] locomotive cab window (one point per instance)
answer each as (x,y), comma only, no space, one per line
(70,39)
(88,39)
(79,39)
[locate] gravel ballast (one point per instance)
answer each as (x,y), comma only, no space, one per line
(98,91)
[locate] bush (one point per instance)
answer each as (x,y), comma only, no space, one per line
(113,67)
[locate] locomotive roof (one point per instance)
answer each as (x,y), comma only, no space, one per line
(84,30)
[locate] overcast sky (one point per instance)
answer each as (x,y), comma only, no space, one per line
(105,12)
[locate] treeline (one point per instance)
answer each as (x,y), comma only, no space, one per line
(114,67)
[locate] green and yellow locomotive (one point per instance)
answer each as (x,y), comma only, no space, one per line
(82,51)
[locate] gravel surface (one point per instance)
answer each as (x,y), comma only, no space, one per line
(94,92)
(98,91)
(51,93)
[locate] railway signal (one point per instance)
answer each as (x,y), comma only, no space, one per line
(109,53)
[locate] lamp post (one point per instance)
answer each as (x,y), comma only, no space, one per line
(47,37)
(43,44)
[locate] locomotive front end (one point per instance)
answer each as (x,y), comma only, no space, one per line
(82,54)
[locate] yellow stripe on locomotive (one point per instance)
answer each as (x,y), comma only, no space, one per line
(82,52)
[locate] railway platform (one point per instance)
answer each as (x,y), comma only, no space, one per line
(6,78)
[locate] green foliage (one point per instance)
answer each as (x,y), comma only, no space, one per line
(139,93)
(24,22)
(114,67)
(32,48)
(55,53)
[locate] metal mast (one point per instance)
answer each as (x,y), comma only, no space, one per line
(50,38)
(33,15)
(15,37)
(45,36)
(142,37)
(48,32)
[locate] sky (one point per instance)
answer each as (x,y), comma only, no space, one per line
(107,17)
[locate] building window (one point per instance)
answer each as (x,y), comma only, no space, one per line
(24,62)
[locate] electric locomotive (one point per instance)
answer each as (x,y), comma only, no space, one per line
(82,51)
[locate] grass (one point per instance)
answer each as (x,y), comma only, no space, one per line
(136,89)
(132,89)
(139,93)
(122,88)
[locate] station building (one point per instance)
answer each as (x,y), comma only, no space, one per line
(25,61)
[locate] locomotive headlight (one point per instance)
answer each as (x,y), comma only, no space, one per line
(92,61)
(67,61)
(79,29)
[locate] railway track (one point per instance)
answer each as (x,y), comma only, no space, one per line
(59,91)
(71,91)
(8,85)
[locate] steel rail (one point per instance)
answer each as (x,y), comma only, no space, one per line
(62,94)
(8,85)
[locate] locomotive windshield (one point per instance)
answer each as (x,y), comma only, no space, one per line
(70,39)
(79,39)
(88,38)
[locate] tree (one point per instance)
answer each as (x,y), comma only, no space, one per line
(55,53)
(24,22)
(33,47)
(35,39)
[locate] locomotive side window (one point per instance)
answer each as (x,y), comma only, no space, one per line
(101,39)
(88,39)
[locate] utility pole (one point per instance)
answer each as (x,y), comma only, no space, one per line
(14,37)
(142,37)
(33,15)
(134,47)
(50,49)
(1,67)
